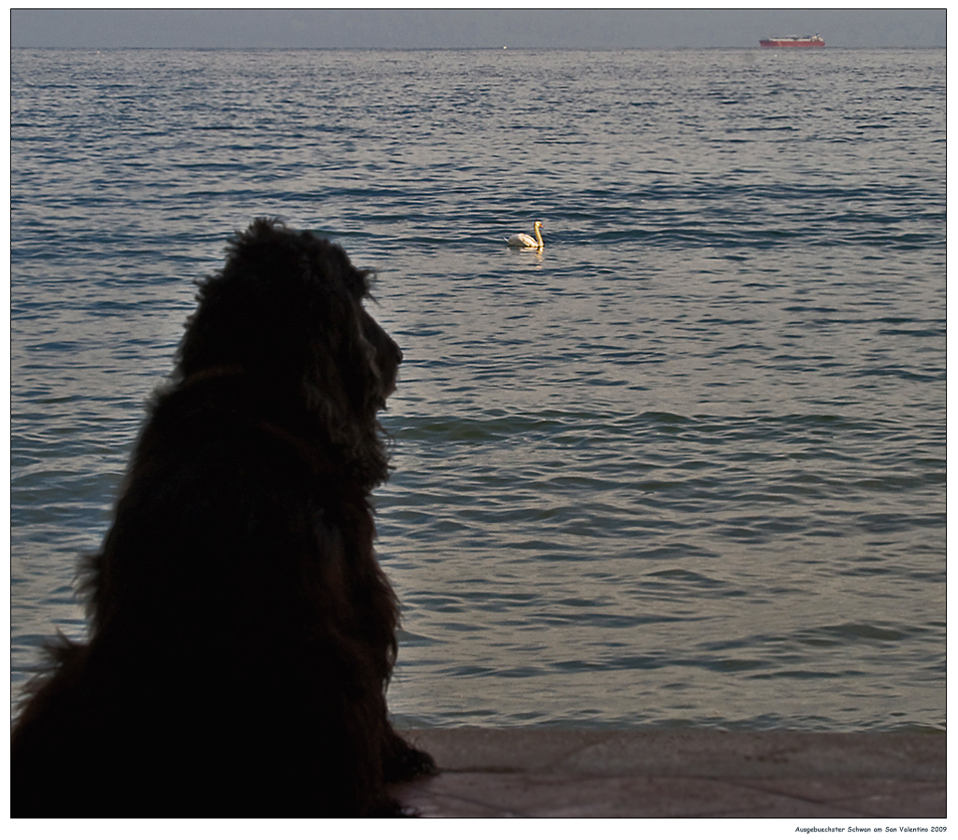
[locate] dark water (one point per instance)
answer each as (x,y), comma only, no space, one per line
(687,466)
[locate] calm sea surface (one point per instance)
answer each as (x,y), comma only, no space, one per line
(686,467)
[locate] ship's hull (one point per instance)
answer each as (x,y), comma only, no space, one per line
(792,42)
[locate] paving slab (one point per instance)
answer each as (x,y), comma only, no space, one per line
(679,773)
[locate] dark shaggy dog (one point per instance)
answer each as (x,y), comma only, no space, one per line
(242,632)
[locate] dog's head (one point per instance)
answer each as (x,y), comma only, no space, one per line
(287,309)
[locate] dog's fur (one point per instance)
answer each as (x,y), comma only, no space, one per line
(242,632)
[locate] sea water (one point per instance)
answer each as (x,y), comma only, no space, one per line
(684,467)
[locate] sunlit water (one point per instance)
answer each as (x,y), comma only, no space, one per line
(687,466)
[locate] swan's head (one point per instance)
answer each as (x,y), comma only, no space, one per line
(537,225)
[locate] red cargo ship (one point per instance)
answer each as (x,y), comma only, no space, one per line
(794,41)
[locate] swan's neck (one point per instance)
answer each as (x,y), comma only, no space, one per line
(538,235)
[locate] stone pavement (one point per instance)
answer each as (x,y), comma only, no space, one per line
(679,773)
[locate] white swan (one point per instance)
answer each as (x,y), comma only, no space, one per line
(523,240)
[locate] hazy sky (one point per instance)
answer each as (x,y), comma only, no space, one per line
(421,28)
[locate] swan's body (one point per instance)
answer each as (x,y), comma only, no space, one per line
(523,240)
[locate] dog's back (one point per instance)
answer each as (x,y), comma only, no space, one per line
(214,683)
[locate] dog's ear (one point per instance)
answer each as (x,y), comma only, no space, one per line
(344,387)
